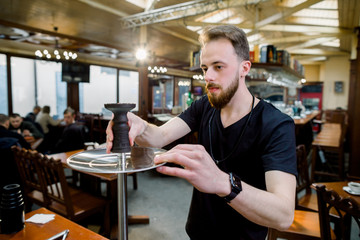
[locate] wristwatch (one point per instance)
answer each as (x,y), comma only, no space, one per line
(236,188)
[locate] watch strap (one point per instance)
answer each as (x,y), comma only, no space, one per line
(236,187)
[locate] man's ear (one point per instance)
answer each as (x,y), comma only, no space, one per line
(245,66)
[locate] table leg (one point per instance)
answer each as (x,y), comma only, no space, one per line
(313,162)
(122,204)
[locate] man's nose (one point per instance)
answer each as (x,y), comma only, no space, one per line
(209,75)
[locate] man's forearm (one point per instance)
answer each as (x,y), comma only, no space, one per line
(151,137)
(154,136)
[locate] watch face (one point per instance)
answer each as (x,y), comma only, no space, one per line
(235,183)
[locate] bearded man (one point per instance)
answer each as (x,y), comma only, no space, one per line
(244,168)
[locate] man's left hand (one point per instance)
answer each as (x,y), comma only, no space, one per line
(198,168)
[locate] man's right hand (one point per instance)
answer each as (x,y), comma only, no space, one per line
(137,127)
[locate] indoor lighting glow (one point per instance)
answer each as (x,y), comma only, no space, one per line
(156,69)
(198,77)
(57,54)
(141,54)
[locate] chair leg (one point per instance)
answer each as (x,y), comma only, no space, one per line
(135,185)
(106,228)
(271,234)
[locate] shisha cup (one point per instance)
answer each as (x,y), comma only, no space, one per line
(120,128)
(12,209)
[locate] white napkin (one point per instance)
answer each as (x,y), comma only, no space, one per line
(41,218)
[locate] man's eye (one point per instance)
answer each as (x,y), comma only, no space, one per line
(204,70)
(218,67)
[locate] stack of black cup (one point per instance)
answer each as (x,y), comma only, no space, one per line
(12,212)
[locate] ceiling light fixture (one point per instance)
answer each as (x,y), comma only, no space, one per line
(141,54)
(58,54)
(156,69)
(198,77)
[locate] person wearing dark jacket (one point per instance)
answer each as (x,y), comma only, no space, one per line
(24,128)
(8,170)
(73,135)
(8,137)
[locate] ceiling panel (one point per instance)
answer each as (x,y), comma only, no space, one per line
(96,26)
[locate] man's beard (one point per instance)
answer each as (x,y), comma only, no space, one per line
(225,96)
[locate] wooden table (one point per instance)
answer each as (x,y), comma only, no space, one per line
(33,231)
(34,143)
(304,130)
(338,187)
(307,119)
(65,155)
(111,186)
(329,139)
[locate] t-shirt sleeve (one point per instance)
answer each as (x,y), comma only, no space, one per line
(280,150)
(193,114)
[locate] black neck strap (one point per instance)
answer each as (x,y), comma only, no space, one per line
(239,140)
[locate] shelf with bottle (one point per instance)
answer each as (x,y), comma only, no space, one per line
(274,67)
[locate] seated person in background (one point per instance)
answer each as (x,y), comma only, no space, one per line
(8,170)
(31,116)
(6,136)
(23,127)
(44,119)
(73,135)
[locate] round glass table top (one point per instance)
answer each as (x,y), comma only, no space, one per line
(98,161)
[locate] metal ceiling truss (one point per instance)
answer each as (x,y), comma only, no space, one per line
(182,10)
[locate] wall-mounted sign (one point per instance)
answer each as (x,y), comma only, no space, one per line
(339,86)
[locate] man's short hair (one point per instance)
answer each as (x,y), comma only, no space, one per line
(46,109)
(3,118)
(235,35)
(15,115)
(69,110)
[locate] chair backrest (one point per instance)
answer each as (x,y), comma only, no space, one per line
(336,116)
(54,185)
(27,168)
(303,179)
(346,208)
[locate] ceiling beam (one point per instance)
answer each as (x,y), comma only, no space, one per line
(150,5)
(298,38)
(316,51)
(311,43)
(176,34)
(104,7)
(285,13)
(181,10)
(282,15)
(305,28)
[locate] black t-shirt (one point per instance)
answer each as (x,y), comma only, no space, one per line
(268,143)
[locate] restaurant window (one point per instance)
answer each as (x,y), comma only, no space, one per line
(23,85)
(3,86)
(100,90)
(129,87)
(163,95)
(181,90)
(51,90)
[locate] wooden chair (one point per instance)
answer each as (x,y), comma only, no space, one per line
(94,124)
(336,116)
(346,208)
(305,226)
(328,159)
(308,201)
(67,201)
(29,177)
(306,221)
